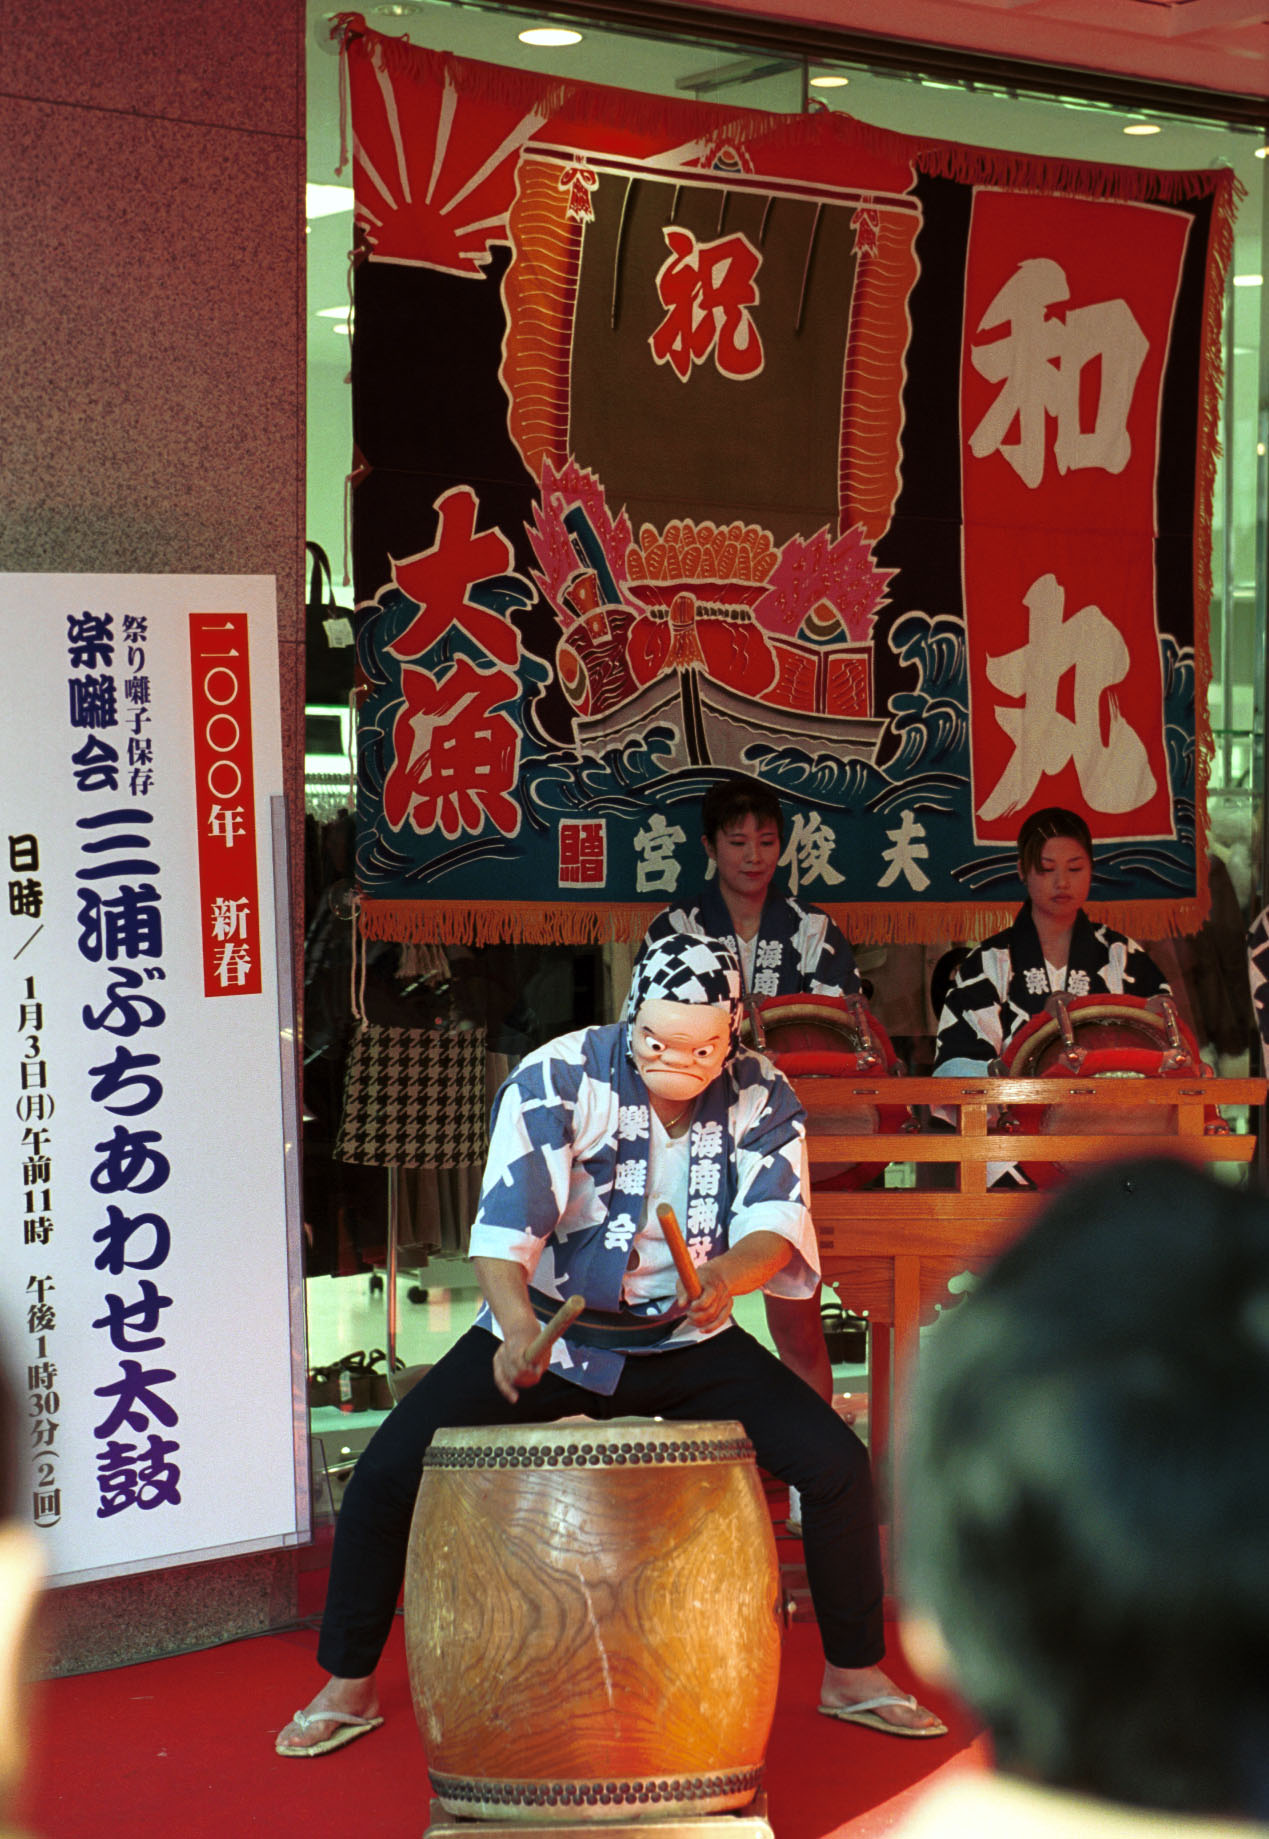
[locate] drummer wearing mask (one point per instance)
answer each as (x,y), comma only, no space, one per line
(785,949)
(1052,946)
(590,1134)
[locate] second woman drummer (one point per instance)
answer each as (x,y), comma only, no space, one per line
(1051,946)
(785,949)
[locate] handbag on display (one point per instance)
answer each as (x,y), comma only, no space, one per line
(414,1097)
(330,650)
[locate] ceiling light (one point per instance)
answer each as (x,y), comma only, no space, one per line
(1248,280)
(829,82)
(1262,153)
(1143,127)
(333,312)
(549,35)
(326,200)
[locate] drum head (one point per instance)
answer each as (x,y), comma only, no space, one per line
(821,1025)
(581,1443)
(1101,1024)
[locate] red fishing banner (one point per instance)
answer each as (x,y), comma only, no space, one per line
(694,440)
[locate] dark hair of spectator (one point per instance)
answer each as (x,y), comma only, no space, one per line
(729,801)
(1042,827)
(1088,1493)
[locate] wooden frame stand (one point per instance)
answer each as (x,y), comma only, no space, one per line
(894,1250)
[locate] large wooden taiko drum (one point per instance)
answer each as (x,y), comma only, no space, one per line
(835,1037)
(591,1617)
(1124,1037)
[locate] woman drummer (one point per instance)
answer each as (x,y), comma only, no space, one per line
(785,949)
(1051,946)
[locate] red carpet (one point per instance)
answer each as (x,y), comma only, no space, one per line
(183,1749)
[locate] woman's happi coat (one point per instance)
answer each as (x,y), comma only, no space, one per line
(799,950)
(1004,982)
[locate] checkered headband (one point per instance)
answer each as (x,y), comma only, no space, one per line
(683,969)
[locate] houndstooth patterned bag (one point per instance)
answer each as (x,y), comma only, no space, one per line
(414,1098)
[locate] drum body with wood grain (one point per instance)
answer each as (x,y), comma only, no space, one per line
(592,1620)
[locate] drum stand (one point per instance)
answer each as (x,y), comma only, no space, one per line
(744,1823)
(896,1249)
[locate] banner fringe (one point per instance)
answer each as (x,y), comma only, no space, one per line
(530,93)
(1212,376)
(1078,178)
(585,103)
(494,922)
(964,923)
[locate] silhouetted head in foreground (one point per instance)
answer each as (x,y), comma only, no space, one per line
(1087,1523)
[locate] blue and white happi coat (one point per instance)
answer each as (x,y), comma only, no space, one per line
(1005,981)
(566,1193)
(799,951)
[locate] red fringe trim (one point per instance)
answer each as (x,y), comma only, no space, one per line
(1211,380)
(1079,178)
(922,923)
(585,104)
(492,922)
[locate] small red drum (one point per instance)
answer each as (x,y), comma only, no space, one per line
(1082,1037)
(591,1620)
(834,1037)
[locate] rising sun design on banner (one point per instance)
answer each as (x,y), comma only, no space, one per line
(694,440)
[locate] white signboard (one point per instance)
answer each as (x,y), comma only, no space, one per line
(150,1296)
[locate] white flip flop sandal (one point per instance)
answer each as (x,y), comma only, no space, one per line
(354,1727)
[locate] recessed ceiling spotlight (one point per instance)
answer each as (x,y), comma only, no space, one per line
(549,35)
(326,200)
(829,82)
(1143,127)
(1262,153)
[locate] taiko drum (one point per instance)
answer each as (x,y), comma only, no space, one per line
(591,1619)
(1114,1037)
(835,1038)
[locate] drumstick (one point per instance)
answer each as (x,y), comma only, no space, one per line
(568,1311)
(678,1251)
